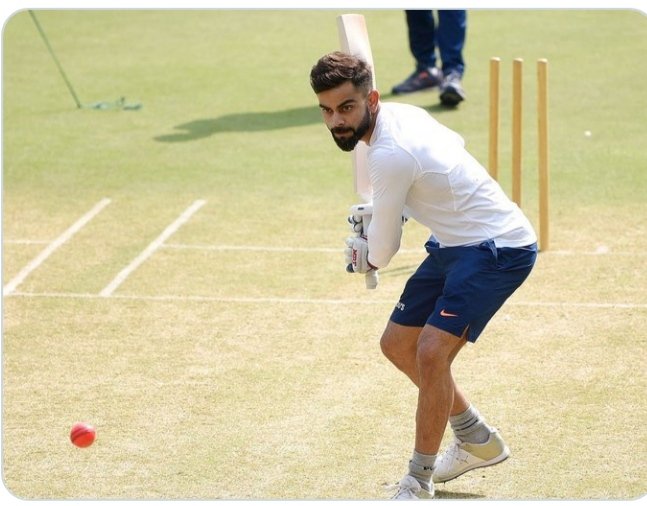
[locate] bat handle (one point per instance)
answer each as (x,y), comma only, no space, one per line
(371,278)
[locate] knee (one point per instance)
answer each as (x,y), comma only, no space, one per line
(426,356)
(389,345)
(431,356)
(396,343)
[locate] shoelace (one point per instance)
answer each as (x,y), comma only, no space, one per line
(399,490)
(452,450)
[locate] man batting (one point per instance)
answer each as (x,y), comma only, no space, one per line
(481,250)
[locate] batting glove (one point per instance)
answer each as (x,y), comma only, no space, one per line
(356,255)
(356,224)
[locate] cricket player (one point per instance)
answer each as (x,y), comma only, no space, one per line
(481,249)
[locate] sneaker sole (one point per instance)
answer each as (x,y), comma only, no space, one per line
(497,460)
(451,99)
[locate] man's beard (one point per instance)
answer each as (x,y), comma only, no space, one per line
(349,143)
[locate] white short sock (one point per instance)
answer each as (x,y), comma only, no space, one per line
(470,427)
(421,467)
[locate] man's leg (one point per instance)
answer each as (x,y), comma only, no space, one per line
(464,297)
(399,344)
(402,345)
(422,38)
(436,351)
(421,29)
(452,27)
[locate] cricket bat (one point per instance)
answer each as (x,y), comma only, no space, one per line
(353,39)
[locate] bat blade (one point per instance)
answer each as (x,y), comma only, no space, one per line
(353,39)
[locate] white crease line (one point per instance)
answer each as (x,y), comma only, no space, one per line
(54,245)
(269,249)
(300,300)
(590,305)
(24,241)
(421,250)
(151,248)
(296,249)
(223,247)
(593,253)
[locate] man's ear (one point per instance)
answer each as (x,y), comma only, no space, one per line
(373,99)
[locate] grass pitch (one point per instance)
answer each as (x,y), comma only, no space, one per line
(239,361)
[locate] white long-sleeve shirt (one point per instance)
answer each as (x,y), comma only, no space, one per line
(420,168)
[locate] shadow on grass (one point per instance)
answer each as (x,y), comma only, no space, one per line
(439,108)
(243,122)
(258,122)
(444,494)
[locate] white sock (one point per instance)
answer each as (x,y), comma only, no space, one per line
(421,467)
(470,427)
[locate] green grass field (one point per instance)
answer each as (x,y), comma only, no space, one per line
(238,360)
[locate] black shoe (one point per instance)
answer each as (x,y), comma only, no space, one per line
(419,80)
(451,91)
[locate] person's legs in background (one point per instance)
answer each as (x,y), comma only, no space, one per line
(421,28)
(450,34)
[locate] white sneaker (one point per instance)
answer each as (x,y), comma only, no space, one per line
(461,457)
(409,488)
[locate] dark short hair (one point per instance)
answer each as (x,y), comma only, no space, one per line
(334,69)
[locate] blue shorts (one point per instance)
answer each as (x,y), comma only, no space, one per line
(460,289)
